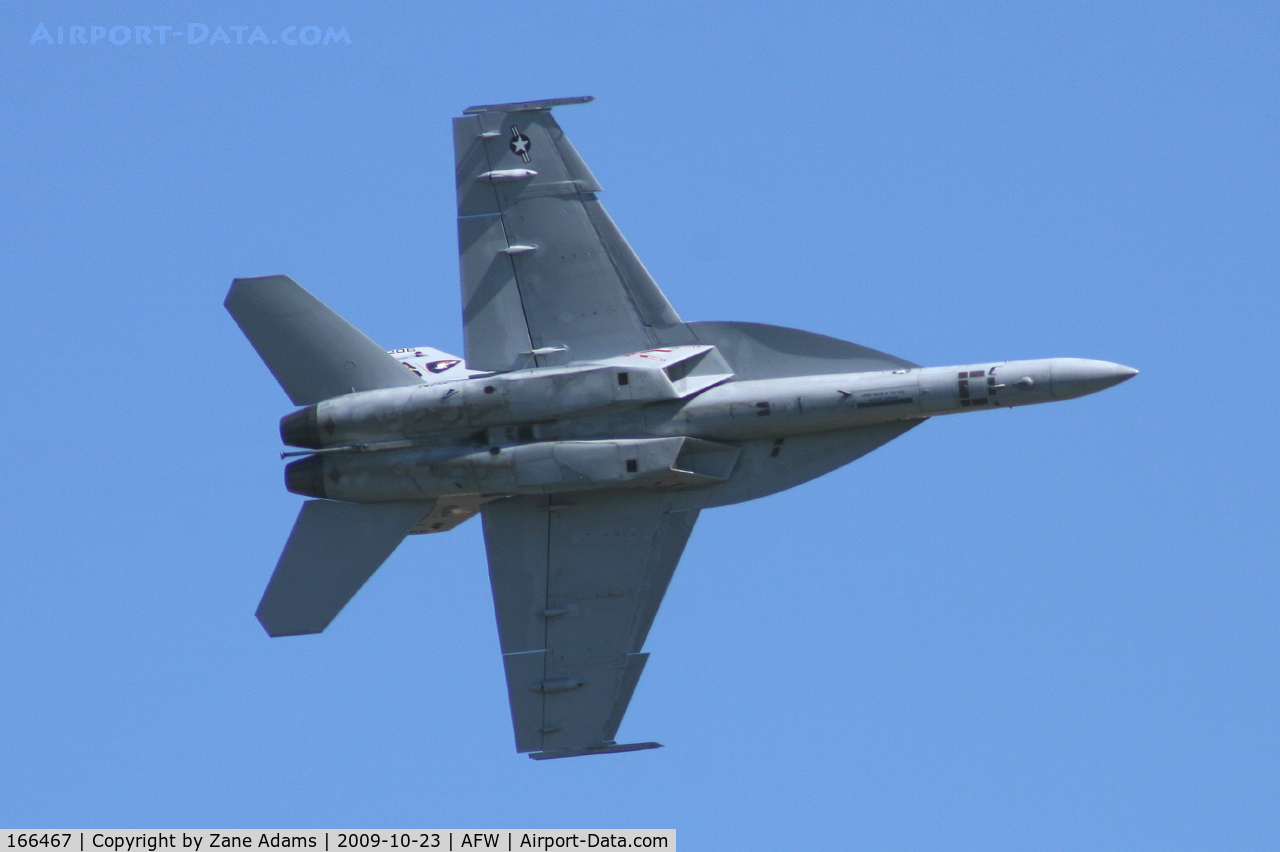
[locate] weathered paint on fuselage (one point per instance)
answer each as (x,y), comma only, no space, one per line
(492,435)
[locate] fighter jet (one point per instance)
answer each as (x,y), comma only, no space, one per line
(588,425)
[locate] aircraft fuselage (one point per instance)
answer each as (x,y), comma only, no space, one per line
(554,430)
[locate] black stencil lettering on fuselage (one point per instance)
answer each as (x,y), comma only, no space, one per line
(888,400)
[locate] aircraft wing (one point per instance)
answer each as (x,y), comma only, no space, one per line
(576,585)
(543,266)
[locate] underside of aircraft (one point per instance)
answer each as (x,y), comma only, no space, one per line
(587,425)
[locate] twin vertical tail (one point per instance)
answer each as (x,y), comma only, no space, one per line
(333,549)
(315,355)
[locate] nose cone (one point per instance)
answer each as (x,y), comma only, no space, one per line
(1074,377)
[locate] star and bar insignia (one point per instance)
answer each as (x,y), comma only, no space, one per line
(520,144)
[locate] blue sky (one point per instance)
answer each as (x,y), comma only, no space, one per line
(1053,628)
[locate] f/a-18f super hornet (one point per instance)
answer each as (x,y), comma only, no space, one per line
(588,426)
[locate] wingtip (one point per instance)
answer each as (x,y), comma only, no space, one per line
(239,285)
(529,106)
(275,628)
(609,748)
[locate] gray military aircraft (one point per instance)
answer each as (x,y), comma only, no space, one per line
(587,426)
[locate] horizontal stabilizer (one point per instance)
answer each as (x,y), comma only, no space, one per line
(333,549)
(313,353)
(611,748)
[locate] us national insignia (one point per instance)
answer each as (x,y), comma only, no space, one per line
(441,366)
(520,144)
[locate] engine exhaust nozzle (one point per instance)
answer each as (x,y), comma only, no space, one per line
(301,428)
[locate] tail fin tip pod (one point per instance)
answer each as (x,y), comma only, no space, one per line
(313,353)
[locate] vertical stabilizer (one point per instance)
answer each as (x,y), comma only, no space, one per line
(313,353)
(333,549)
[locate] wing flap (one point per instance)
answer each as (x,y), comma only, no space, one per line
(493,317)
(525,674)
